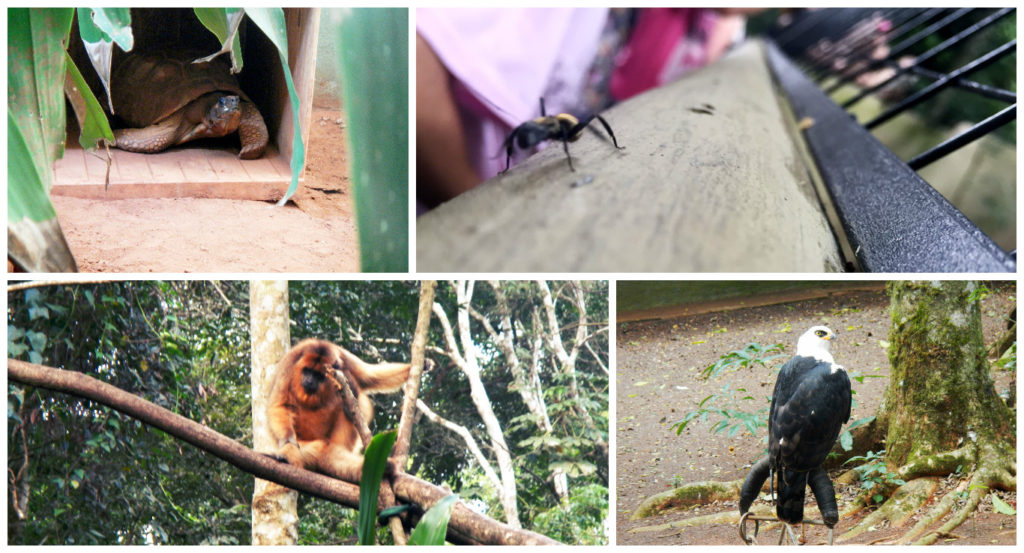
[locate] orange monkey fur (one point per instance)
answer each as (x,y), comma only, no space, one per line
(306,414)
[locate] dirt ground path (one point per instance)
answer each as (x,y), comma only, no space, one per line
(657,383)
(314,233)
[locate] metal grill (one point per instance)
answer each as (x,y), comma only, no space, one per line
(889,217)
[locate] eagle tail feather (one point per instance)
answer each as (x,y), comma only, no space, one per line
(791,489)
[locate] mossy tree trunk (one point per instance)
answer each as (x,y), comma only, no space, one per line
(941,414)
(940,393)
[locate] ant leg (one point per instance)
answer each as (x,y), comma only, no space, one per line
(565,145)
(609,129)
(542,114)
(509,142)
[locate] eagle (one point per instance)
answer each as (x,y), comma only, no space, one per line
(810,404)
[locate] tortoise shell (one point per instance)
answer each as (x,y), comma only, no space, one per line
(149,87)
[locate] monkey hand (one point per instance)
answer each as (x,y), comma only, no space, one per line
(276,457)
(288,453)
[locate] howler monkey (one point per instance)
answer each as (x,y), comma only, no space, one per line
(306,413)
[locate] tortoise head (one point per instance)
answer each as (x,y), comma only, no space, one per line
(224,115)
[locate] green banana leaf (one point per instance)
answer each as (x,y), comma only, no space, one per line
(375,66)
(224,23)
(100,29)
(91,119)
(271,22)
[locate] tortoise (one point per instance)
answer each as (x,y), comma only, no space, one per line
(166,100)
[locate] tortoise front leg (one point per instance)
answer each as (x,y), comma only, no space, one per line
(252,132)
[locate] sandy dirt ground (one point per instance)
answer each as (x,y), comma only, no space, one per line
(657,382)
(314,233)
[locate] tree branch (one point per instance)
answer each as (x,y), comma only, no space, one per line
(412,386)
(467,437)
(464,524)
(41,283)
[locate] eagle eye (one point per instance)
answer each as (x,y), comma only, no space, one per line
(820,333)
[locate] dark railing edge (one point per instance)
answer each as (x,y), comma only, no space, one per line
(895,221)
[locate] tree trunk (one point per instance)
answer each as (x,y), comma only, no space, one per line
(274,507)
(477,392)
(940,395)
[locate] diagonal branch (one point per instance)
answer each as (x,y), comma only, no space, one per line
(467,437)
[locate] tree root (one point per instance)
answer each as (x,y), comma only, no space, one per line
(724,517)
(898,509)
(993,470)
(696,493)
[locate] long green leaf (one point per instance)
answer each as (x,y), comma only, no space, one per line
(433,527)
(271,22)
(375,462)
(35,135)
(108,25)
(31,202)
(93,122)
(100,29)
(375,68)
(224,23)
(35,80)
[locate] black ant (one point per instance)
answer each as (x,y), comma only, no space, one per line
(563,126)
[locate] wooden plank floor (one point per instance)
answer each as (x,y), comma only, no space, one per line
(198,172)
(710,179)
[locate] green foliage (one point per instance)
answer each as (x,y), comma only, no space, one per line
(322,522)
(35,135)
(846,437)
(374,464)
(978,294)
(271,22)
(1008,361)
(433,527)
(725,404)
(874,474)
(36,118)
(752,354)
(86,459)
(579,520)
(731,419)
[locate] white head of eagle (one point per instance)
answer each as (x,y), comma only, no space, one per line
(815,343)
